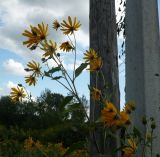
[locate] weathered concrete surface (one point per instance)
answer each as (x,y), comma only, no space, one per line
(143,62)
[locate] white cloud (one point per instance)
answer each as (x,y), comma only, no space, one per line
(83,38)
(10,85)
(67,66)
(17,15)
(51,63)
(14,67)
(70,66)
(6,90)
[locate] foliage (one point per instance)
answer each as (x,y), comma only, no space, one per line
(48,119)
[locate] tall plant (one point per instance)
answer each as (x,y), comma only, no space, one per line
(111,119)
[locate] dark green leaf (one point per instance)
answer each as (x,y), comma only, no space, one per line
(79,70)
(56,78)
(137,132)
(55,69)
(46,74)
(20,85)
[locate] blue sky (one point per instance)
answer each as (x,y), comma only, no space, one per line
(17,15)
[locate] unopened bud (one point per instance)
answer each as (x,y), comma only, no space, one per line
(43,60)
(20,85)
(144,120)
(153,125)
(26,69)
(58,54)
(33,47)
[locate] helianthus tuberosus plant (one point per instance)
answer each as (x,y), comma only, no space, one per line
(111,120)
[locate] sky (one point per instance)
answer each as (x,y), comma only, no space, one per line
(16,16)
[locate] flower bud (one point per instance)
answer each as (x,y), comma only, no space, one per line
(153,125)
(20,85)
(144,120)
(58,54)
(26,69)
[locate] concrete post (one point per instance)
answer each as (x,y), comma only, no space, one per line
(143,62)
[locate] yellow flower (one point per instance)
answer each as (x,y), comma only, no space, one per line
(49,48)
(129,150)
(56,25)
(124,120)
(96,94)
(38,144)
(35,67)
(96,64)
(31,80)
(70,27)
(109,114)
(90,56)
(60,149)
(28,143)
(36,35)
(130,106)
(66,46)
(17,94)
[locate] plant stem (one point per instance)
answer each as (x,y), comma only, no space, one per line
(71,41)
(28,95)
(70,90)
(64,72)
(75,57)
(152,143)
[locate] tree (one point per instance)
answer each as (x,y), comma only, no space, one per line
(103,38)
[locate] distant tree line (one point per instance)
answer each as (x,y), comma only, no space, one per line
(51,118)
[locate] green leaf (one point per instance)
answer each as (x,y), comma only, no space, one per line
(79,70)
(73,147)
(51,71)
(47,74)
(137,132)
(55,69)
(56,78)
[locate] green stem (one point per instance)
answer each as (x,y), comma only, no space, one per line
(152,143)
(104,81)
(104,140)
(75,57)
(43,152)
(28,95)
(64,72)
(71,41)
(95,140)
